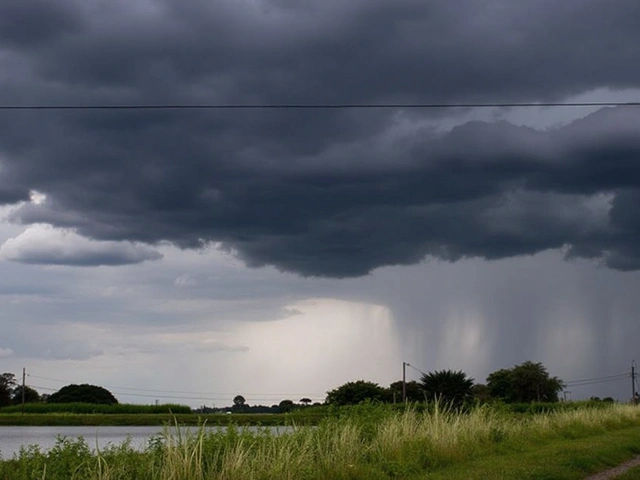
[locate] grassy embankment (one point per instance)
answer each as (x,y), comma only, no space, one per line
(366,442)
(84,414)
(92,408)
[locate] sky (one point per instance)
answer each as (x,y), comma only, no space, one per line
(190,255)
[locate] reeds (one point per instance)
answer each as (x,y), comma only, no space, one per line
(370,441)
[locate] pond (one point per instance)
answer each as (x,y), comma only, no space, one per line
(12,438)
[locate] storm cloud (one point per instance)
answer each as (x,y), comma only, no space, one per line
(334,193)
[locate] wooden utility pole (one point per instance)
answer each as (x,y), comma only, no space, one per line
(634,400)
(24,375)
(404,382)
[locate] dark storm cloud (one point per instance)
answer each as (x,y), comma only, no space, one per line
(334,193)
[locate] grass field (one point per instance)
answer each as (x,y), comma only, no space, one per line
(93,408)
(84,414)
(364,442)
(150,419)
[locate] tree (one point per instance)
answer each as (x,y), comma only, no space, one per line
(352,393)
(413,389)
(527,382)
(481,393)
(30,395)
(500,385)
(285,405)
(239,401)
(450,387)
(305,401)
(7,384)
(83,394)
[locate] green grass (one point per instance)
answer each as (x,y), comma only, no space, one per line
(92,408)
(631,474)
(574,458)
(364,442)
(149,419)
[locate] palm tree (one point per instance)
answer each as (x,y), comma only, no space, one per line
(447,386)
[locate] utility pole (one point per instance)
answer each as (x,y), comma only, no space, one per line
(404,382)
(24,375)
(633,382)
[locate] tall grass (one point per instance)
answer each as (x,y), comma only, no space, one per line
(366,442)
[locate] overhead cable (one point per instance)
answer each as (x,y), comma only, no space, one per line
(312,106)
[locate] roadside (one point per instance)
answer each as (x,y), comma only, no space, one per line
(620,471)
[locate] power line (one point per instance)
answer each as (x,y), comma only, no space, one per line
(317,106)
(174,397)
(416,369)
(616,376)
(597,382)
(217,395)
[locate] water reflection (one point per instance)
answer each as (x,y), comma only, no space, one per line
(12,438)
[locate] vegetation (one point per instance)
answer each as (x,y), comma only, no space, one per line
(7,384)
(413,390)
(527,382)
(447,386)
(631,474)
(524,383)
(369,441)
(309,416)
(92,408)
(286,406)
(82,394)
(30,395)
(352,393)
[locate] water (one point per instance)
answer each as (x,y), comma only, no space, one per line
(12,438)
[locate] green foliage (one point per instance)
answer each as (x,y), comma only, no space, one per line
(528,382)
(82,394)
(96,408)
(631,474)
(449,387)
(352,393)
(413,389)
(365,441)
(30,395)
(74,459)
(542,408)
(7,384)
(481,393)
(286,406)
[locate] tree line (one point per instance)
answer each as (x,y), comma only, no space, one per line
(11,393)
(524,383)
